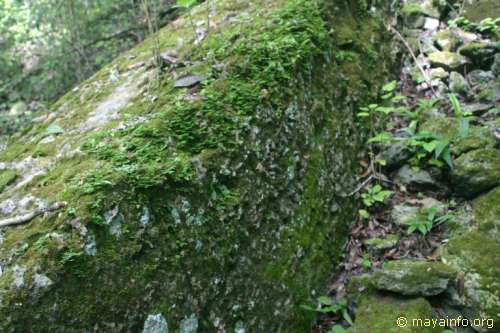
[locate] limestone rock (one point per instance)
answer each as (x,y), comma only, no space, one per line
(414,278)
(476,171)
(155,324)
(447,40)
(447,60)
(417,179)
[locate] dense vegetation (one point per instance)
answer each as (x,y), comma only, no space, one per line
(47,46)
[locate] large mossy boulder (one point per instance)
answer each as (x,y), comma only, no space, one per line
(476,172)
(210,190)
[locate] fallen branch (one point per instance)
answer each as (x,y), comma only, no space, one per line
(408,47)
(360,186)
(30,216)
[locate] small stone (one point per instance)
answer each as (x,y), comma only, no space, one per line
(447,60)
(155,324)
(478,76)
(188,81)
(90,247)
(189,325)
(18,109)
(414,278)
(18,276)
(447,40)
(458,84)
(145,217)
(41,281)
(477,109)
(413,178)
(381,244)
(396,155)
(431,24)
(439,73)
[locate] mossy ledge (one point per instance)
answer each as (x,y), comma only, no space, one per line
(223,201)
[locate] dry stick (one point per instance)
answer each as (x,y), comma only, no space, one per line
(414,59)
(30,216)
(361,186)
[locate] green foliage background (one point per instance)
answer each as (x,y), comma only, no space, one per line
(47,46)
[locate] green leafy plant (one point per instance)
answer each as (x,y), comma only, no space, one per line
(337,329)
(328,305)
(431,149)
(366,262)
(70,256)
(426,220)
(463,117)
(364,213)
(375,195)
(489,25)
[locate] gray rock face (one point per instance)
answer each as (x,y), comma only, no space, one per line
(476,171)
(478,76)
(155,324)
(396,155)
(410,177)
(414,278)
(188,81)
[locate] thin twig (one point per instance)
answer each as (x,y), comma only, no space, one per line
(405,43)
(30,216)
(360,186)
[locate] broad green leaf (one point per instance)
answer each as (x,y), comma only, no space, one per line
(337,329)
(389,87)
(186,3)
(463,127)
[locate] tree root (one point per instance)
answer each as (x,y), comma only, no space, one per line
(30,216)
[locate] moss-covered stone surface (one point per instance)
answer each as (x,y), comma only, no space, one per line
(220,201)
(476,255)
(414,278)
(383,314)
